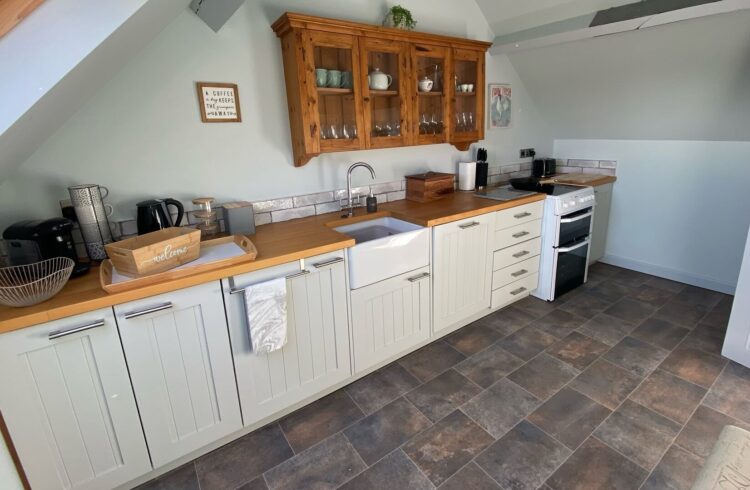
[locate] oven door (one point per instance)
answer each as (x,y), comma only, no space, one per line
(574,227)
(571,264)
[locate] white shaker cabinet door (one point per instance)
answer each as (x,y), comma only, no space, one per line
(66,398)
(316,355)
(463,270)
(390,317)
(177,347)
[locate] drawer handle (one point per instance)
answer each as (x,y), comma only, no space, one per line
(326,263)
(418,277)
(469,225)
(521,253)
(153,309)
(290,276)
(519,273)
(62,333)
(522,215)
(520,234)
(518,291)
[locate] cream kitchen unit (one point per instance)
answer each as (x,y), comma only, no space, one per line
(113,397)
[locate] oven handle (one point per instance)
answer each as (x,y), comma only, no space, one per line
(574,247)
(577,218)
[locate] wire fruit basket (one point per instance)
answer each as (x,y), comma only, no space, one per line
(26,285)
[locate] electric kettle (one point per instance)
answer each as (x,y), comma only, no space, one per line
(154,214)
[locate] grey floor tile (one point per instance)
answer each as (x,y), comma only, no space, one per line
(431,360)
(630,278)
(229,466)
(329,464)
(665,284)
(660,333)
(630,310)
(685,314)
(445,448)
(543,375)
(606,383)
(677,470)
(706,338)
(443,394)
(636,356)
(535,307)
(569,417)
(381,387)
(638,433)
(585,305)
(605,270)
(509,319)
(558,323)
(257,484)
(380,433)
(182,478)
(694,365)
(489,365)
(499,408)
(693,295)
(394,471)
(610,291)
(654,296)
(669,395)
(607,329)
(470,477)
(578,350)
(596,466)
(527,342)
(322,418)
(473,338)
(523,458)
(730,394)
(703,429)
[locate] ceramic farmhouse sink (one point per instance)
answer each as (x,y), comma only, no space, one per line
(385,247)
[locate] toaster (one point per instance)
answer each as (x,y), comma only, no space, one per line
(543,167)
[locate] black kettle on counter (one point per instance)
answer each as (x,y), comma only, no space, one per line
(154,214)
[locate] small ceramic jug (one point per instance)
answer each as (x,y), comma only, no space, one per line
(379,80)
(425,84)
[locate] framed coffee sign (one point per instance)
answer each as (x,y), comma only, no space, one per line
(219,102)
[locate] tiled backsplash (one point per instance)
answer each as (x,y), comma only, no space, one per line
(604,167)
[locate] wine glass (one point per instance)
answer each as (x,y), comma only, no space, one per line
(345,132)
(423,124)
(333,132)
(433,124)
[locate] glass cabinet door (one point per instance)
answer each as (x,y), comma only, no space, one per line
(430,82)
(385,88)
(467,119)
(336,71)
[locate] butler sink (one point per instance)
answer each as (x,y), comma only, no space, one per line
(385,247)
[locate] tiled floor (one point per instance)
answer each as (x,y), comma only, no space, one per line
(619,384)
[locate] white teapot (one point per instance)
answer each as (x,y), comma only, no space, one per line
(379,80)
(425,84)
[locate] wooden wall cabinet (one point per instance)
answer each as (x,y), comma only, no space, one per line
(327,117)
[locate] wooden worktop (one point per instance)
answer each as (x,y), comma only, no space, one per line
(584,179)
(277,243)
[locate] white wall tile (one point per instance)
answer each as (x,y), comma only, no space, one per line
(583,163)
(328,207)
(308,199)
(568,170)
(287,214)
(607,164)
(385,187)
(273,205)
(396,196)
(262,218)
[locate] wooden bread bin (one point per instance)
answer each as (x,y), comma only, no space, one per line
(429,186)
(155,252)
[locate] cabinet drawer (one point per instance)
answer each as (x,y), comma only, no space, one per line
(517,234)
(515,272)
(514,291)
(514,254)
(520,214)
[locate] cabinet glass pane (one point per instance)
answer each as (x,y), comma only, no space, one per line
(335,84)
(430,111)
(383,80)
(464,112)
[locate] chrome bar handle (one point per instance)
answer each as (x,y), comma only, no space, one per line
(574,247)
(418,277)
(519,273)
(522,215)
(577,218)
(469,225)
(518,291)
(290,276)
(326,263)
(520,234)
(153,309)
(521,253)
(80,328)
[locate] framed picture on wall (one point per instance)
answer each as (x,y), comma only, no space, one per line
(219,102)
(500,105)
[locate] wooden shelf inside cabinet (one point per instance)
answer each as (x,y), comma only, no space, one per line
(430,94)
(465,94)
(334,91)
(383,93)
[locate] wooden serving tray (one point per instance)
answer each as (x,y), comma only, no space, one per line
(215,254)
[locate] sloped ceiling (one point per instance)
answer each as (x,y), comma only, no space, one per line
(687,80)
(59,56)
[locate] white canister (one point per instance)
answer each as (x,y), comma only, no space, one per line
(467,174)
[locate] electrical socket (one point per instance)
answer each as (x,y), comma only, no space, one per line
(527,153)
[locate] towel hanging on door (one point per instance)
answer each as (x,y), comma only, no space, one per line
(265,306)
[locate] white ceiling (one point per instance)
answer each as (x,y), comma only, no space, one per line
(508,16)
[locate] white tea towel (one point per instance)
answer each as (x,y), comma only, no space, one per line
(265,304)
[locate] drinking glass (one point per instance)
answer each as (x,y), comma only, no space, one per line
(345,132)
(396,128)
(333,132)
(423,124)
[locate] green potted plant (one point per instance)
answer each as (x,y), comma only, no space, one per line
(400,18)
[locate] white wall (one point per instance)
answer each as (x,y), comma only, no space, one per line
(142,137)
(680,209)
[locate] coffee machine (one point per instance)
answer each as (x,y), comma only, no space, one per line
(35,240)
